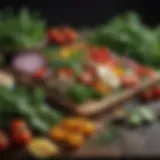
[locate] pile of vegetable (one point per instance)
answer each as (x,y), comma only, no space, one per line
(128,36)
(87,72)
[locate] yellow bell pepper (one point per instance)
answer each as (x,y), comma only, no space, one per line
(65,53)
(118,71)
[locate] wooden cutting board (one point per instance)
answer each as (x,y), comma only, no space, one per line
(89,108)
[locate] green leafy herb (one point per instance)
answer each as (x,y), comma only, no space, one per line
(21,31)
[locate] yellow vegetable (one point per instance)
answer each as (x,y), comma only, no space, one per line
(89,128)
(118,71)
(73,124)
(42,148)
(101,87)
(57,133)
(75,140)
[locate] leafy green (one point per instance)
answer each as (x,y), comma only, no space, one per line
(21,31)
(126,35)
(28,104)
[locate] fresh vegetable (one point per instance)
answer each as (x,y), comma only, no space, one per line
(28,63)
(21,31)
(156,91)
(135,119)
(126,35)
(4,142)
(29,104)
(147,95)
(62,35)
(72,131)
(58,133)
(79,93)
(20,132)
(42,148)
(147,114)
(75,140)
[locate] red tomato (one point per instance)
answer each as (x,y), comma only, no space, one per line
(54,35)
(20,132)
(40,73)
(100,55)
(129,81)
(147,95)
(86,78)
(156,92)
(4,142)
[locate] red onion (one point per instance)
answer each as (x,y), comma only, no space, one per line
(28,63)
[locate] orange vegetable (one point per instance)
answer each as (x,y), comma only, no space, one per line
(58,133)
(89,128)
(73,124)
(75,140)
(101,87)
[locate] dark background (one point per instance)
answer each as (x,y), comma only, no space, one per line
(86,12)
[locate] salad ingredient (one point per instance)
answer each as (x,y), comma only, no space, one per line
(147,95)
(6,79)
(4,142)
(86,78)
(156,91)
(21,31)
(89,128)
(75,140)
(58,133)
(20,132)
(79,93)
(134,120)
(73,124)
(28,63)
(107,76)
(42,148)
(147,114)
(29,104)
(40,74)
(126,35)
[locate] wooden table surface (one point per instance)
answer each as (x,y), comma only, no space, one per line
(143,141)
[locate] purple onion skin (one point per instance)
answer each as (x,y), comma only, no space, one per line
(28,62)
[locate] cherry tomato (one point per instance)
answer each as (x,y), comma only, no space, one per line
(86,78)
(20,132)
(40,73)
(156,92)
(4,142)
(54,35)
(129,81)
(147,95)
(100,55)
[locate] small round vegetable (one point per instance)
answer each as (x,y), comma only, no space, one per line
(20,132)
(73,124)
(147,114)
(4,142)
(86,78)
(28,63)
(134,119)
(42,148)
(89,128)
(57,133)
(75,140)
(147,95)
(156,92)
